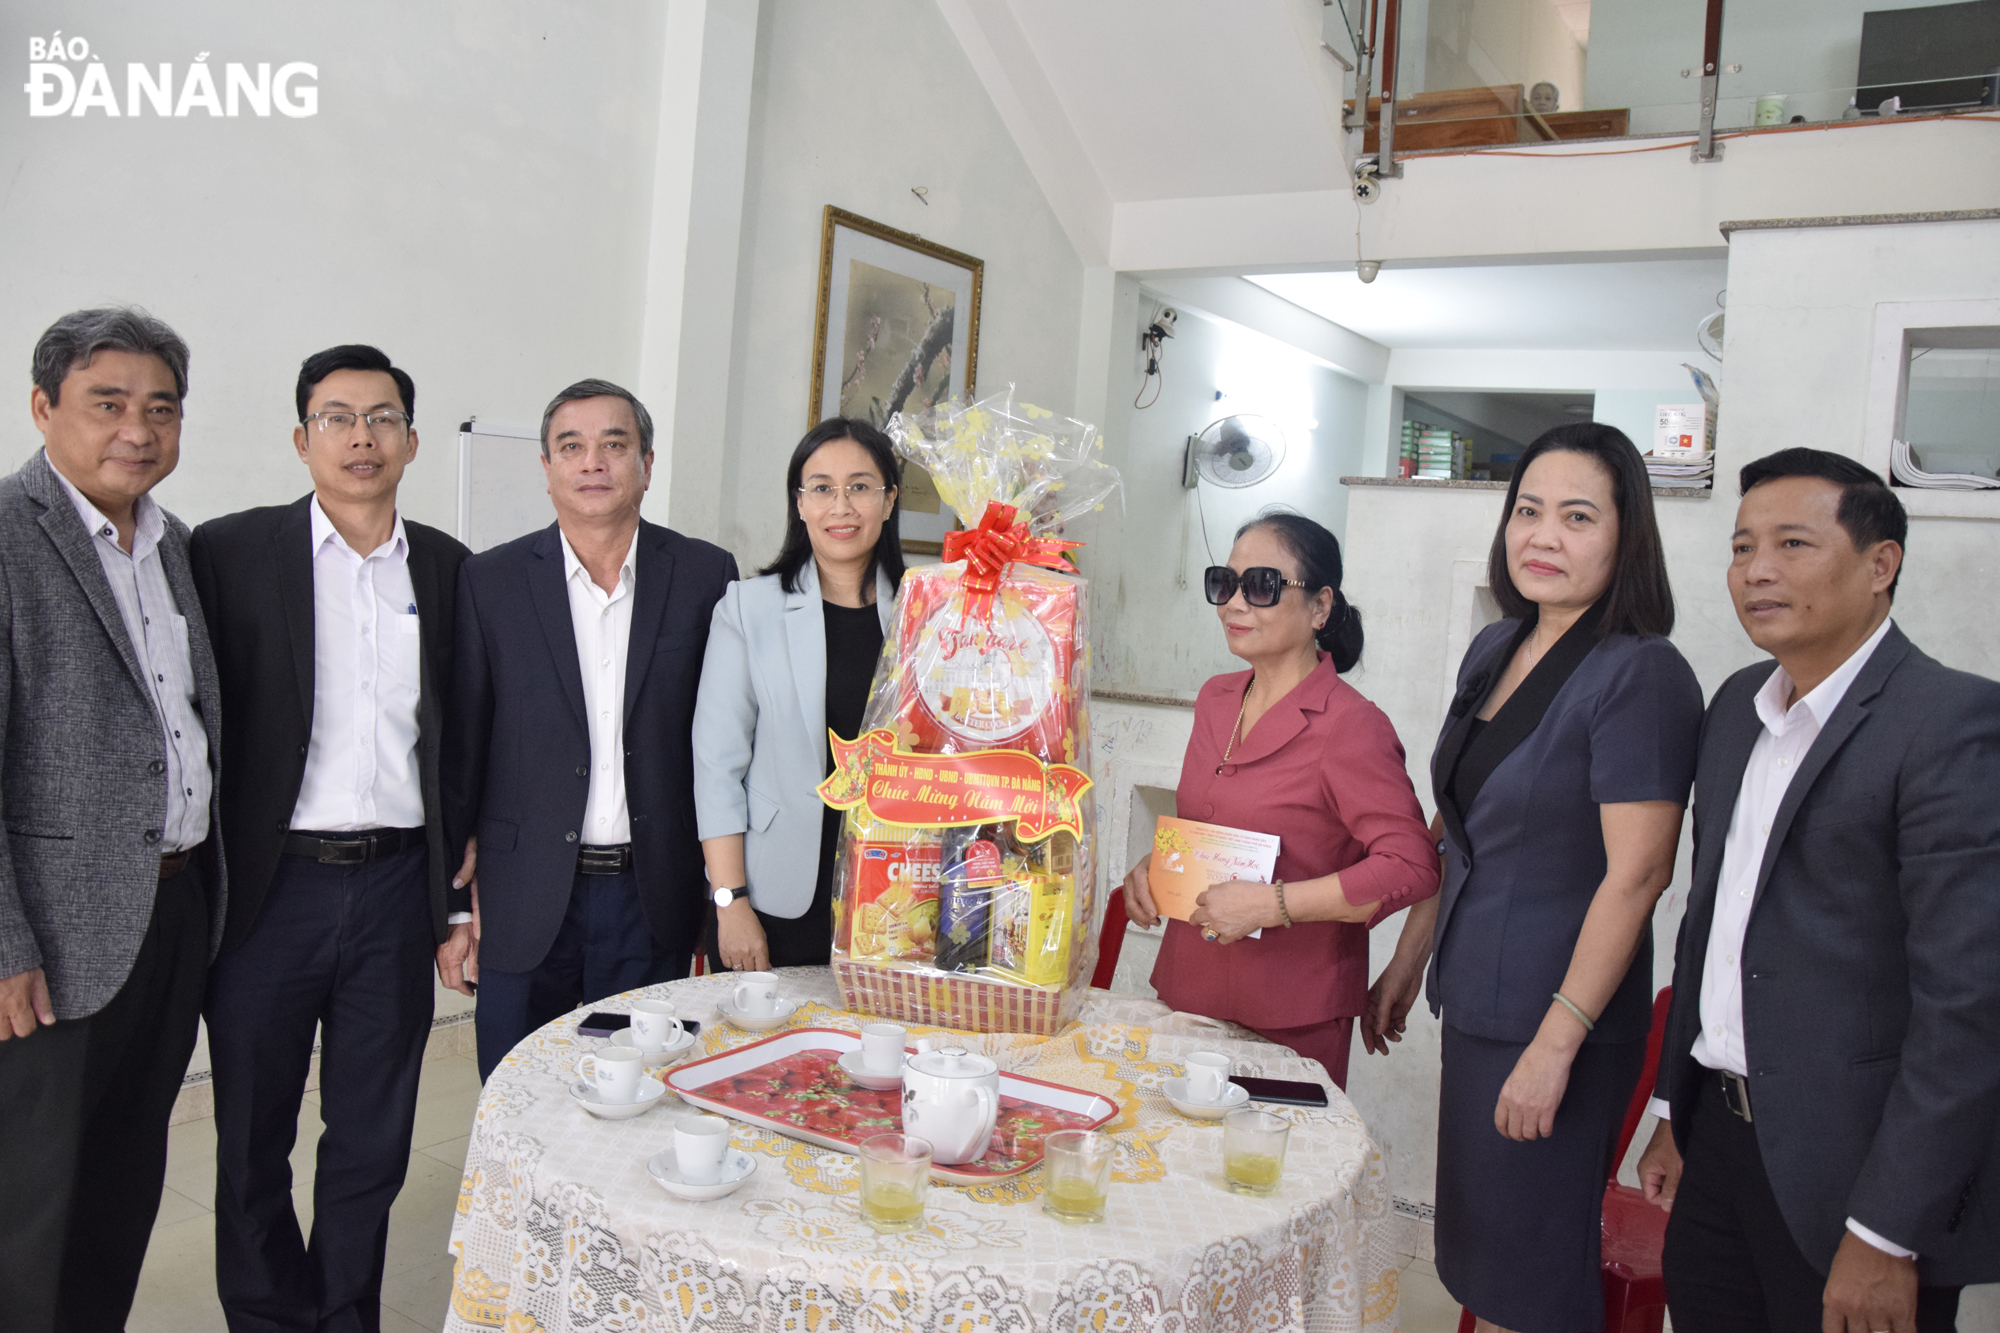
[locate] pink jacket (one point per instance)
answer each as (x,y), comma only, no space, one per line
(1322,770)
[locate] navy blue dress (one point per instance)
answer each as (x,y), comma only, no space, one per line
(1599,721)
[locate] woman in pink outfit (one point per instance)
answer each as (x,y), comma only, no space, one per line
(1288,748)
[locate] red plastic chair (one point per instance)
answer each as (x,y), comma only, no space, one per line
(1634,1231)
(1111,941)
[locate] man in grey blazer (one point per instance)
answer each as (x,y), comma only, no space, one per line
(111,887)
(1831,1069)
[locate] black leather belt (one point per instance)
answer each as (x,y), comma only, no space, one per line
(174,862)
(603,860)
(353,849)
(1736,1094)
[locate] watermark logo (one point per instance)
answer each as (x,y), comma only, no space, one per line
(54,88)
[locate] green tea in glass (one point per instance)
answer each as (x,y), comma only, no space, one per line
(1076,1174)
(895,1173)
(1253,1150)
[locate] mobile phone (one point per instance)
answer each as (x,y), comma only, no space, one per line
(601,1024)
(1287,1091)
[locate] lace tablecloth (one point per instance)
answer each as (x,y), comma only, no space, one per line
(559,1226)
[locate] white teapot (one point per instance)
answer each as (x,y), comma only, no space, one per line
(952,1098)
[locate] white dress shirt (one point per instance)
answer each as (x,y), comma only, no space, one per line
(1787,735)
(603,625)
(159,635)
(361,763)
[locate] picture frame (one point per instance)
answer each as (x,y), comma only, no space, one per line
(896,328)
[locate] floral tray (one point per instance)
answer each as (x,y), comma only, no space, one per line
(790,1083)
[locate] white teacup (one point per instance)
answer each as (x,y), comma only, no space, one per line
(1207,1077)
(882,1047)
(700,1143)
(654,1027)
(756,995)
(615,1072)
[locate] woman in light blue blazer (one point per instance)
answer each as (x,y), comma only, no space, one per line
(791,653)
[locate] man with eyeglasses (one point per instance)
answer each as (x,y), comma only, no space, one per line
(569,766)
(332,619)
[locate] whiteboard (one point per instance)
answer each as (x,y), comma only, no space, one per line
(502,493)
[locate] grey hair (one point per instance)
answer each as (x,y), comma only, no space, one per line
(599,389)
(74,339)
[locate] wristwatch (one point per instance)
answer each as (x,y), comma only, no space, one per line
(724,897)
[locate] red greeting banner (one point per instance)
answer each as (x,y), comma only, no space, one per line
(898,786)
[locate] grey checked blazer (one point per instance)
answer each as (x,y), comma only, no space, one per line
(82,803)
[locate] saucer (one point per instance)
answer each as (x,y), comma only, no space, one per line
(737,1167)
(1233,1096)
(651,1090)
(850,1065)
(726,1007)
(656,1059)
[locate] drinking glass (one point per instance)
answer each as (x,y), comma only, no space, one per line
(895,1173)
(1076,1174)
(1253,1150)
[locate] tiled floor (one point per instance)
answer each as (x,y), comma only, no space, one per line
(177,1288)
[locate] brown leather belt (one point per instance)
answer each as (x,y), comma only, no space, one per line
(174,862)
(353,849)
(604,860)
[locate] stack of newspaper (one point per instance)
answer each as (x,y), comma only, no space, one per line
(1903,467)
(1691,469)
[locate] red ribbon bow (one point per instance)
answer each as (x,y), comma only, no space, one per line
(996,543)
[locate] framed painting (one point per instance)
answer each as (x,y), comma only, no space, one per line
(897,331)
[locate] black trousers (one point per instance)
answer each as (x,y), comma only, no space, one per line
(1731,1264)
(603,947)
(345,951)
(83,1130)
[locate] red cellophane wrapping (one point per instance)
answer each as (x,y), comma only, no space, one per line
(965,880)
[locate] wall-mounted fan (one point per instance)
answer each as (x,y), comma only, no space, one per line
(1708,333)
(1232,453)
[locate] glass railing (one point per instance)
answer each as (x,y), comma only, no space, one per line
(1470,74)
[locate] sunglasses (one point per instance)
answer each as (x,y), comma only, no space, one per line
(1261,585)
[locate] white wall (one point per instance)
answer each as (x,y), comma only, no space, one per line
(472,196)
(1800,318)
(1152,635)
(855,105)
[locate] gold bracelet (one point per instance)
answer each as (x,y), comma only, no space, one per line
(1282,910)
(1581,1017)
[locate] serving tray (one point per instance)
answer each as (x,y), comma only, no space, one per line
(791,1084)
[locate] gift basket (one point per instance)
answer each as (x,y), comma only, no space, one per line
(965,884)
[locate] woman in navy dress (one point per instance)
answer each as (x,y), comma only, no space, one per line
(1560,776)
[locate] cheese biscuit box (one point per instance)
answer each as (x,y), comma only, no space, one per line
(953,905)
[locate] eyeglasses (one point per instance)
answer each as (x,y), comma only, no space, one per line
(1261,584)
(383,425)
(860,492)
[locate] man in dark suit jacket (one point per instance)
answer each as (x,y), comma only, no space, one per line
(568,756)
(333,621)
(1831,1071)
(111,885)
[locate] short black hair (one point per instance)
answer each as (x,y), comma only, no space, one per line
(1318,554)
(594,388)
(74,339)
(352,356)
(1869,510)
(797,548)
(1640,600)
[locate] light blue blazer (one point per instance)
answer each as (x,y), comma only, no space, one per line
(760,732)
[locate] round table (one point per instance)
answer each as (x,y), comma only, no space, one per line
(559,1226)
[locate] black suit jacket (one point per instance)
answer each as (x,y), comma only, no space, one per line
(517,768)
(1871,962)
(254,574)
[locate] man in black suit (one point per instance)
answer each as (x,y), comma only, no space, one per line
(570,763)
(332,619)
(1831,1072)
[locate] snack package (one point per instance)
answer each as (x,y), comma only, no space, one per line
(965,881)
